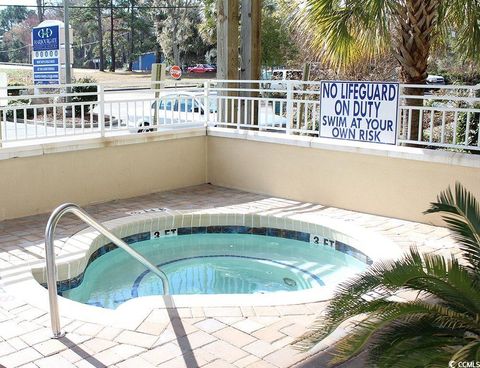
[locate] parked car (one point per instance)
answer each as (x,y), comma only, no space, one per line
(199,68)
(190,106)
(172,108)
(202,68)
(277,78)
(435,79)
(266,74)
(211,68)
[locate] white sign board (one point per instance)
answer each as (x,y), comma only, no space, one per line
(359,111)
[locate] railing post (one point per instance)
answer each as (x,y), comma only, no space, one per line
(101,105)
(206,91)
(236,112)
(52,274)
(289,106)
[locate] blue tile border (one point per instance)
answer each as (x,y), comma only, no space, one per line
(227,229)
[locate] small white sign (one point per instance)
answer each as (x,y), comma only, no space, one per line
(359,111)
(320,240)
(162,233)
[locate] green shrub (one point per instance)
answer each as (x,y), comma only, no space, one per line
(19,103)
(473,127)
(84,89)
(13,92)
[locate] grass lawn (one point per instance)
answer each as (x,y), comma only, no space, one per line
(23,75)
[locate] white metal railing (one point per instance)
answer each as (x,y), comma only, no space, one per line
(429,116)
(100,112)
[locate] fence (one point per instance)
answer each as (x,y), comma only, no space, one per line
(429,115)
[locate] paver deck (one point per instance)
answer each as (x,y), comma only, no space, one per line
(195,337)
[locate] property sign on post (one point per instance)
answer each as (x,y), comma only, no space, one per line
(46,55)
(359,111)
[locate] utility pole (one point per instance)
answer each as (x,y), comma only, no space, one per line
(112,46)
(40,11)
(100,36)
(132,45)
(66,21)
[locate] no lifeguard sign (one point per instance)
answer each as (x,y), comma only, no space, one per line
(175,72)
(359,111)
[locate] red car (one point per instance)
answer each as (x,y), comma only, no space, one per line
(210,68)
(199,68)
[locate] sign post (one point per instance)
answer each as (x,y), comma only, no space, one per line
(359,111)
(68,65)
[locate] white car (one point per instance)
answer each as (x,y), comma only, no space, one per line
(279,76)
(173,108)
(435,79)
(188,109)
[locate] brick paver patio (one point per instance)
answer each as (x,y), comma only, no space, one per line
(254,337)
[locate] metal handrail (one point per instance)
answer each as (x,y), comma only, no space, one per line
(50,257)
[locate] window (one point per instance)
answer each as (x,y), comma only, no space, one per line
(166,104)
(186,104)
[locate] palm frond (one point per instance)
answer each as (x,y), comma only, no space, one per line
(449,282)
(394,314)
(469,352)
(464,15)
(342,32)
(457,299)
(445,279)
(401,339)
(421,352)
(461,212)
(440,324)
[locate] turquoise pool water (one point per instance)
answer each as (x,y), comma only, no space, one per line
(213,264)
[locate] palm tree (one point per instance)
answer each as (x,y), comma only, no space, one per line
(441,324)
(346,31)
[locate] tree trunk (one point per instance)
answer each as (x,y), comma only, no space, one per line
(100,37)
(112,46)
(417,20)
(176,54)
(158,31)
(158,54)
(39,11)
(132,19)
